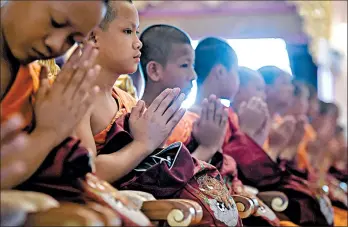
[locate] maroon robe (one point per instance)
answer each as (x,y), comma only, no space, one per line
(186,178)
(257,169)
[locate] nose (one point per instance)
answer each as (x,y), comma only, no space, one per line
(137,45)
(57,43)
(193,75)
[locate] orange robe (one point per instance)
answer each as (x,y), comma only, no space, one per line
(49,177)
(18,98)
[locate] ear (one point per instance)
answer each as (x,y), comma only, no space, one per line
(93,37)
(219,72)
(154,71)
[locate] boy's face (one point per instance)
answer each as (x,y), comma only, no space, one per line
(119,45)
(46,29)
(299,105)
(281,90)
(254,88)
(229,85)
(313,108)
(179,71)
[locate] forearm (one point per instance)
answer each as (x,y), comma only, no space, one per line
(114,166)
(204,153)
(39,145)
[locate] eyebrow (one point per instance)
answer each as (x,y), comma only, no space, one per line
(128,21)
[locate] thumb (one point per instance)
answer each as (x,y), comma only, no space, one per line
(195,127)
(137,110)
(44,83)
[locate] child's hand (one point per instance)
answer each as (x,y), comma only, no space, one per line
(11,144)
(58,108)
(152,127)
(210,129)
(299,132)
(281,134)
(262,134)
(253,116)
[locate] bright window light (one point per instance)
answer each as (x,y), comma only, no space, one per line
(252,53)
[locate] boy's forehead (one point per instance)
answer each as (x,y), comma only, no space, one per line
(126,12)
(179,50)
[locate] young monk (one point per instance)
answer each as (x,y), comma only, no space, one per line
(304,132)
(42,30)
(255,167)
(175,68)
(279,90)
(125,141)
(339,168)
(322,154)
(252,90)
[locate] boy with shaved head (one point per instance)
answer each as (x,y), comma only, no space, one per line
(219,76)
(124,134)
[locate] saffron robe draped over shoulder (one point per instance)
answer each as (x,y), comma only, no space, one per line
(66,164)
(51,174)
(18,99)
(187,178)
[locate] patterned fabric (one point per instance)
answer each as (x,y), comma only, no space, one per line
(224,163)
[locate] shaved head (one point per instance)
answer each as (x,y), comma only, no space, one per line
(246,75)
(110,14)
(157,44)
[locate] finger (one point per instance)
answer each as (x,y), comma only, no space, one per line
(195,126)
(73,59)
(176,118)
(85,104)
(158,100)
(219,108)
(204,110)
(64,75)
(86,83)
(44,83)
(136,110)
(167,102)
(224,118)
(78,78)
(211,108)
(86,54)
(11,126)
(174,107)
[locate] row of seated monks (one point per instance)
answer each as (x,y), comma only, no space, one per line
(77,150)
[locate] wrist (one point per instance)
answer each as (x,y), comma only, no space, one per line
(142,148)
(48,137)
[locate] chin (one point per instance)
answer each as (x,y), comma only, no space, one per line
(131,69)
